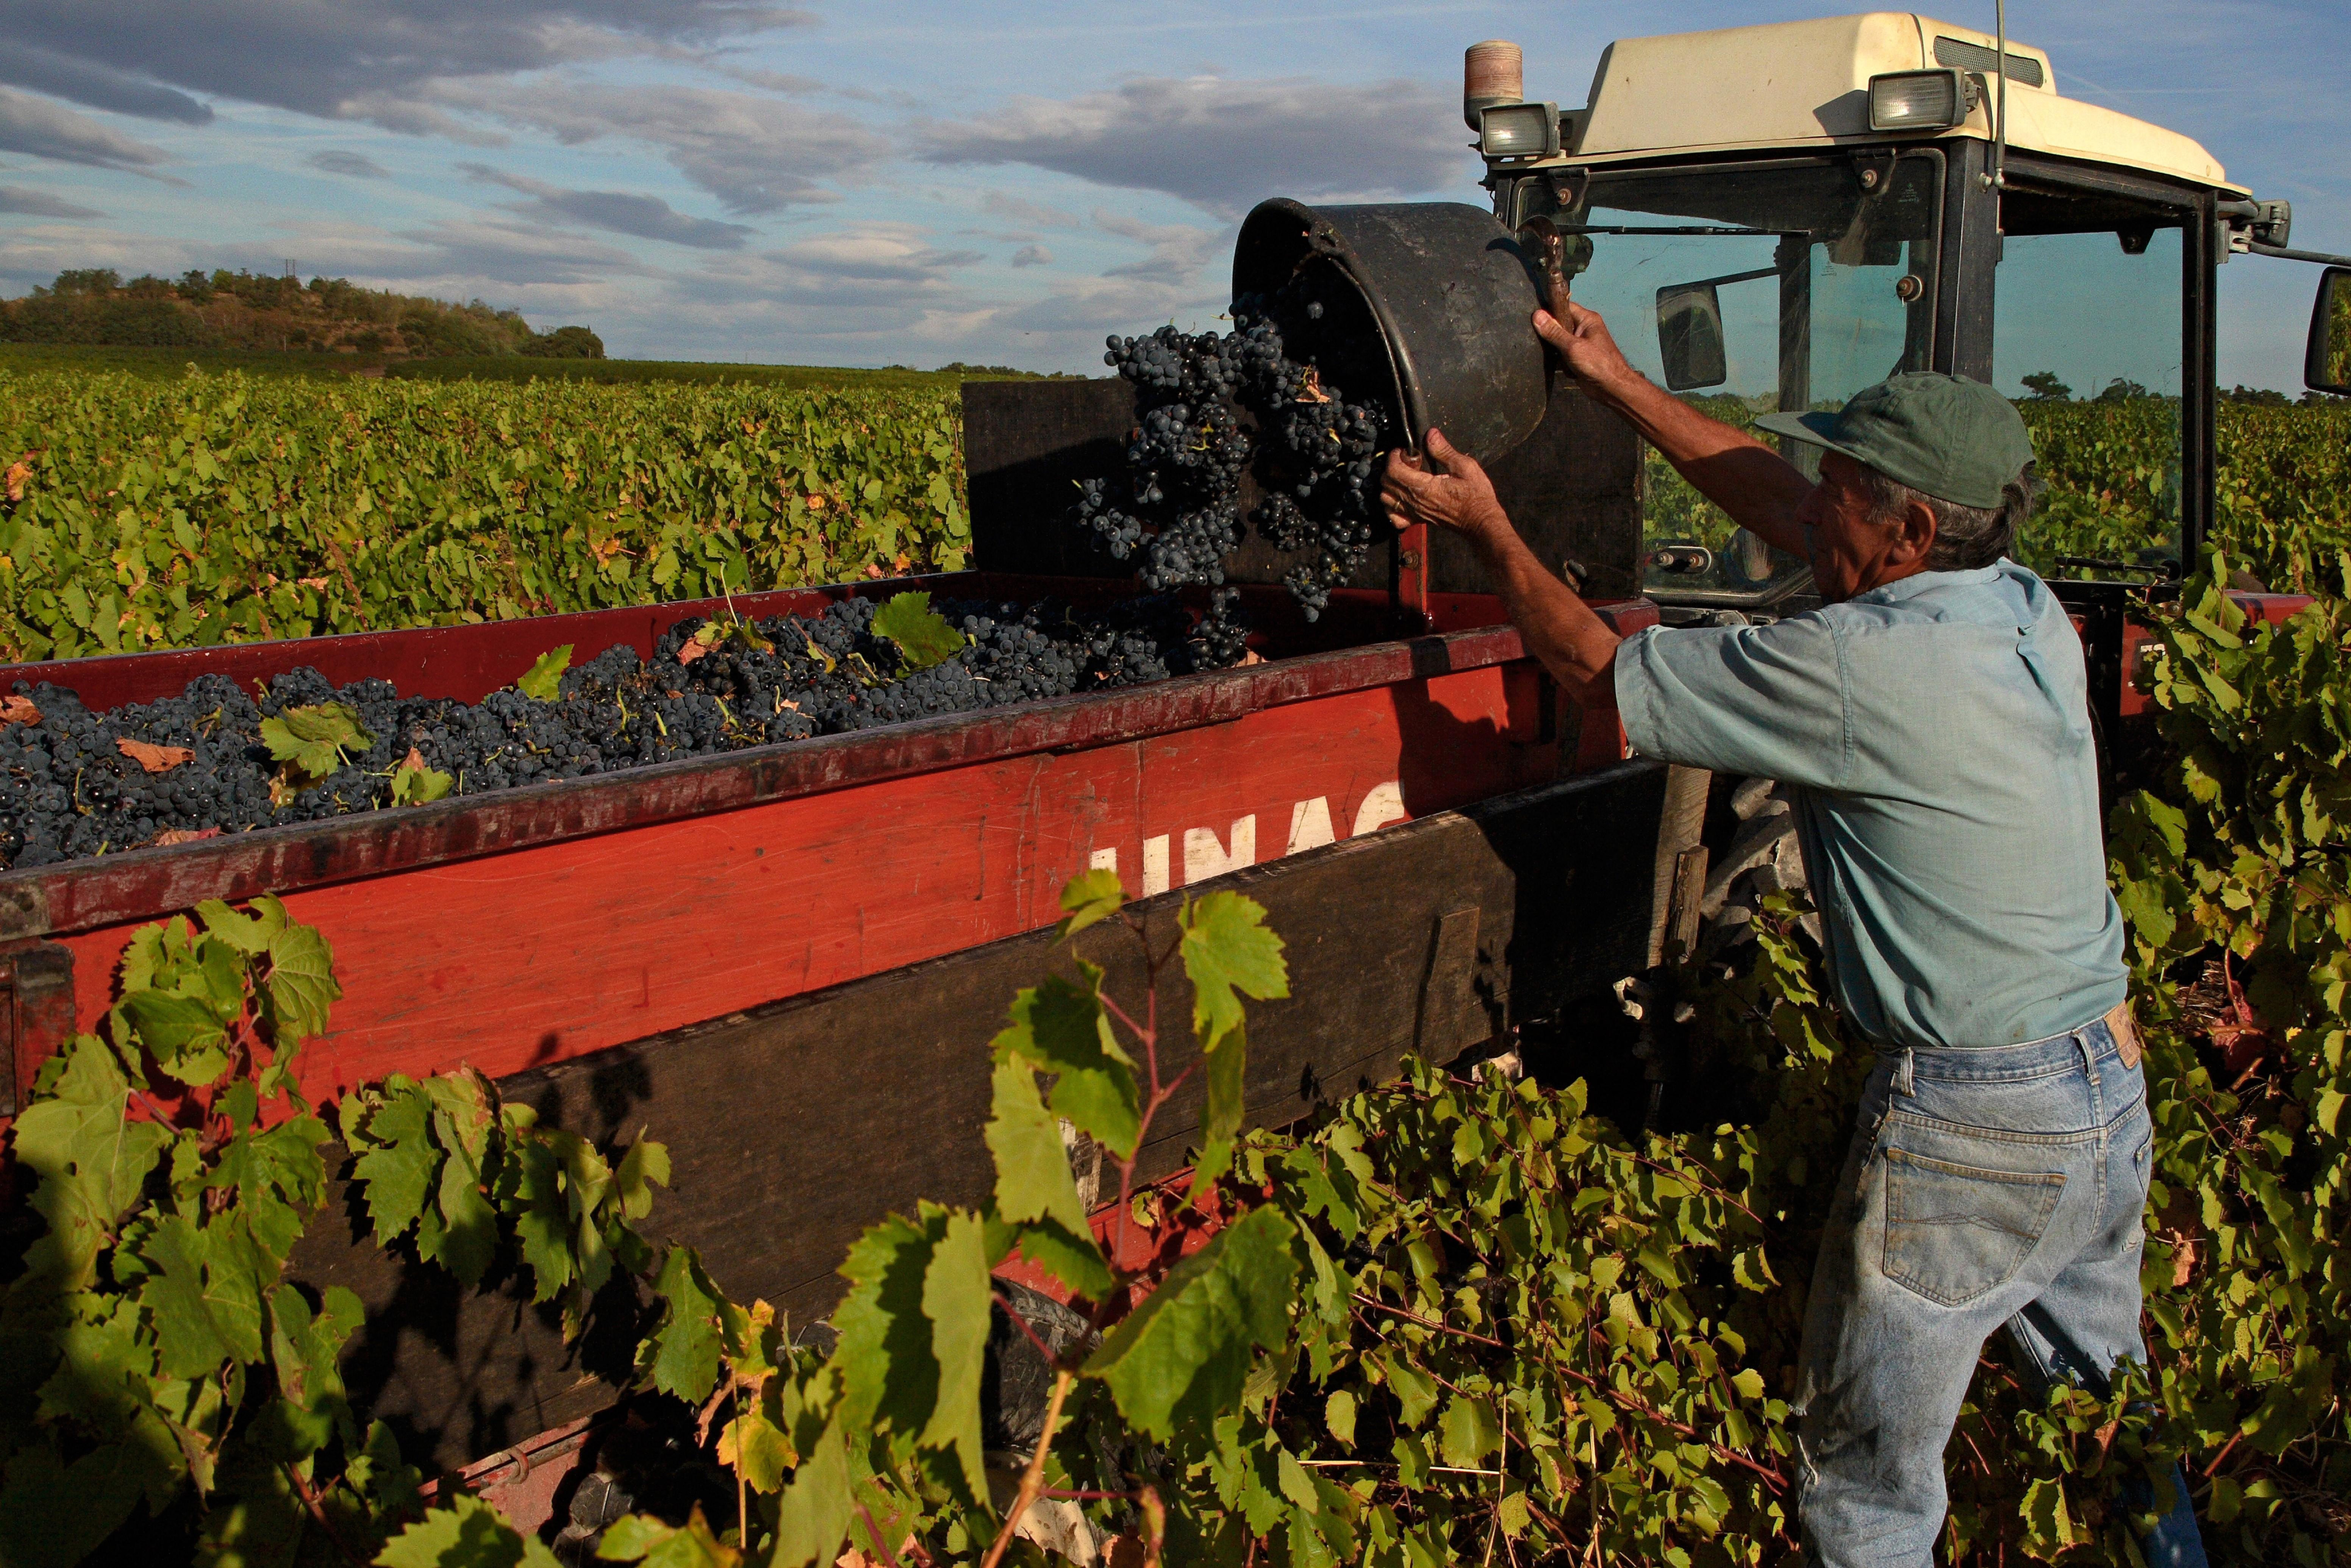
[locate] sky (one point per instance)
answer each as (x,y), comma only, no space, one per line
(917,183)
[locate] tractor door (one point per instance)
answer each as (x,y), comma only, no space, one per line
(2085,293)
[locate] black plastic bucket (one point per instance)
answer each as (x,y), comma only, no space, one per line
(1433,320)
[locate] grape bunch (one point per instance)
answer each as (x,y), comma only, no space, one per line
(1178,507)
(70,789)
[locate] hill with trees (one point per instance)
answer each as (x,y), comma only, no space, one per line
(256,312)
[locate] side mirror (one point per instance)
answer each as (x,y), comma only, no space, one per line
(2326,365)
(1689,336)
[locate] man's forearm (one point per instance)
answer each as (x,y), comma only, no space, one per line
(1758,488)
(1558,628)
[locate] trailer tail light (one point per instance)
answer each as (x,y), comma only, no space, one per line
(1513,130)
(1919,100)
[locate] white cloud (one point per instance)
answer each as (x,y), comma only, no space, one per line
(1020,210)
(1177,250)
(1032,256)
(755,153)
(1224,144)
(876,250)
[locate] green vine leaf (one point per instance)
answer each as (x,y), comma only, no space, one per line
(1468,1430)
(315,742)
(641,1538)
(1062,1029)
(1223,1107)
(413,783)
(1226,948)
(467,1534)
(684,1348)
(1088,898)
(392,1128)
(923,635)
(955,1294)
(1034,1189)
(203,1315)
(250,931)
(1181,1355)
(301,984)
(90,1160)
(812,1515)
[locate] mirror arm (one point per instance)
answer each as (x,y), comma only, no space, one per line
(2283,254)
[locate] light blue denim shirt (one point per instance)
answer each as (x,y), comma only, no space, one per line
(1938,732)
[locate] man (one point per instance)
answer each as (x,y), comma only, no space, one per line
(1933,718)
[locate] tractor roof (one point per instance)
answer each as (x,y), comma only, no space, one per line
(1806,84)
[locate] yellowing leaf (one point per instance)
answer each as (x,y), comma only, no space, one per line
(543,681)
(1088,897)
(641,1538)
(153,758)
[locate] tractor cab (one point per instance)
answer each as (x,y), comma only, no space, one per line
(1776,216)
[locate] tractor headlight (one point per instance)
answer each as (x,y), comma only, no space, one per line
(1514,130)
(1919,100)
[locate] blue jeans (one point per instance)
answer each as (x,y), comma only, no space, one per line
(2004,1185)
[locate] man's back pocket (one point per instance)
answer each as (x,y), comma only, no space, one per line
(1954,1232)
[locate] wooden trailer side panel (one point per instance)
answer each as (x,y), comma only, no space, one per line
(552,950)
(794,1126)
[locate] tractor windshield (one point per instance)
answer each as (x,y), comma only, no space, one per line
(1748,287)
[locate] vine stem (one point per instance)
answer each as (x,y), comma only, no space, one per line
(742,1487)
(1639,1406)
(1429,1323)
(310,1496)
(873,1533)
(1022,1324)
(1032,1480)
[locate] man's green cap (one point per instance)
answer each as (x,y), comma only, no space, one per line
(1944,437)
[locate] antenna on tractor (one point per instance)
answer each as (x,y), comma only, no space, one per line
(1999,181)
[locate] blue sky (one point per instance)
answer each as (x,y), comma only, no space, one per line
(918,183)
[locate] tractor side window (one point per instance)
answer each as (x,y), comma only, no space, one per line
(2087,339)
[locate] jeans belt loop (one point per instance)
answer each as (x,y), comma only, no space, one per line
(1902,1074)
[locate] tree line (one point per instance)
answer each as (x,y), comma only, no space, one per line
(248,310)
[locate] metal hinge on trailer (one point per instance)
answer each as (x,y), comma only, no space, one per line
(36,1011)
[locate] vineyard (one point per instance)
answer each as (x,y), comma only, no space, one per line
(143,514)
(1457,1316)
(2282,498)
(164,514)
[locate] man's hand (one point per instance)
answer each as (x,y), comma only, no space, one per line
(1591,355)
(1446,488)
